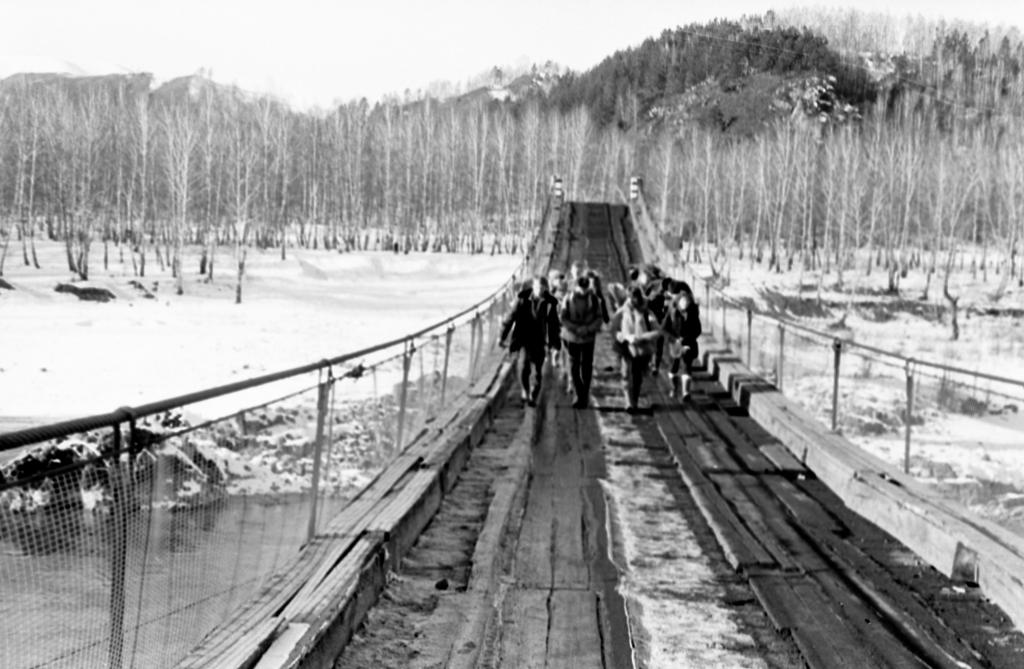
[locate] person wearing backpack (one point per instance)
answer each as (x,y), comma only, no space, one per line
(637,333)
(581,321)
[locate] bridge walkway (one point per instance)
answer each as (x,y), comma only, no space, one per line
(802,580)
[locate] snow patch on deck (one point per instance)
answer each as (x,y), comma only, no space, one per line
(666,572)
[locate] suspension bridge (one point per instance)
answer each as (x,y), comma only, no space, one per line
(832,557)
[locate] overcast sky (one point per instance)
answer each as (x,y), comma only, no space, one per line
(313,52)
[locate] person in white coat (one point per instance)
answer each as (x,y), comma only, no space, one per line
(637,333)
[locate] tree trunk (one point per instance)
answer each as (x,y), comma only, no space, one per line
(241,251)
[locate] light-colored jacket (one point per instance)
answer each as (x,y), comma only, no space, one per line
(636,329)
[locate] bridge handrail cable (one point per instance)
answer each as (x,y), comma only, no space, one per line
(58,430)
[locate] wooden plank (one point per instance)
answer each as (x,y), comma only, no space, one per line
(889,650)
(276,655)
(783,460)
(336,586)
(574,639)
(280,588)
(570,564)
(777,599)
(524,629)
(807,512)
(936,530)
(921,626)
(794,605)
(390,478)
(739,444)
(390,511)
(250,646)
(758,520)
(533,566)
(407,514)
(741,550)
(339,609)
(341,554)
(780,524)
(825,640)
(703,444)
(455,433)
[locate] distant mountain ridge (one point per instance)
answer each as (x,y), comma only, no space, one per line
(734,76)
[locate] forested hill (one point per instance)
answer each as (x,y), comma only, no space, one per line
(723,72)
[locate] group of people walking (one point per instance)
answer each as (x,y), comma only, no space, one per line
(650,316)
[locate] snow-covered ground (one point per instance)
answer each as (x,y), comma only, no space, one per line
(991,311)
(967,433)
(61,357)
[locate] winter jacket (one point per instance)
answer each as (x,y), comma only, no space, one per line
(657,300)
(636,330)
(683,326)
(581,317)
(533,323)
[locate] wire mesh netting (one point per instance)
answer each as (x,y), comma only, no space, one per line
(872,394)
(764,352)
(957,430)
(125,546)
(150,534)
(807,373)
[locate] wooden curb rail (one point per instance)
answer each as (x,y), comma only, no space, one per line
(309,610)
(947,536)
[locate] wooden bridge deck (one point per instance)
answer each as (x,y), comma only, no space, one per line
(542,589)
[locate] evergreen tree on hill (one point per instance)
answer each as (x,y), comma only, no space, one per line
(722,51)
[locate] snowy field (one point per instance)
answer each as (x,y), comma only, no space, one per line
(991,310)
(61,357)
(967,433)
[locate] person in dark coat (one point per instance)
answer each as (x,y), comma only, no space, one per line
(530,328)
(581,321)
(681,328)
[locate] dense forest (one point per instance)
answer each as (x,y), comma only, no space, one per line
(757,138)
(110,160)
(753,149)
(628,85)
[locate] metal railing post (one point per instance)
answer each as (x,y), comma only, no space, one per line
(472,348)
(447,356)
(781,364)
(403,394)
(479,343)
(421,389)
(490,326)
(725,332)
(837,351)
(707,303)
(908,418)
(750,327)
(118,557)
(323,393)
